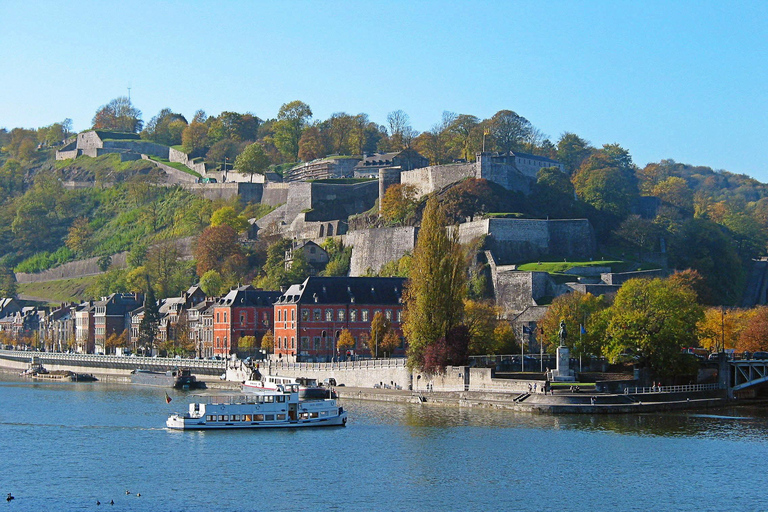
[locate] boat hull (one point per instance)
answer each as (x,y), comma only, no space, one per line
(180,423)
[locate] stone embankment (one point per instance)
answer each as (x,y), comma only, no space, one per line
(379,380)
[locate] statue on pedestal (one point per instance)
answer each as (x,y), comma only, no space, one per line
(563,333)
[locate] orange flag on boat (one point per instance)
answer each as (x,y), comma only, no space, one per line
(167,398)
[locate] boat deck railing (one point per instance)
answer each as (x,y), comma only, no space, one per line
(673,389)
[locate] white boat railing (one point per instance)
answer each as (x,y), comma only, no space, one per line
(673,389)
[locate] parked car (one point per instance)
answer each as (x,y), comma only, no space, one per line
(760,355)
(329,382)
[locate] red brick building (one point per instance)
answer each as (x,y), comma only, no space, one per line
(244,311)
(310,316)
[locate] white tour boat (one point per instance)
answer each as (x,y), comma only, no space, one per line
(266,409)
(308,388)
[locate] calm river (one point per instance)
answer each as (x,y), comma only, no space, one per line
(65,446)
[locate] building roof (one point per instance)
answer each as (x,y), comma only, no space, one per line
(531,314)
(248,296)
(346,290)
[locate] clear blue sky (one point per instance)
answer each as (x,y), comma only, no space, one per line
(685,80)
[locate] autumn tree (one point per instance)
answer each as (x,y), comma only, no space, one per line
(115,340)
(345,342)
(389,343)
(312,144)
(451,349)
(214,246)
(118,115)
(380,326)
(655,319)
(754,337)
(721,328)
(398,203)
(268,342)
(194,139)
(437,286)
(246,344)
(253,160)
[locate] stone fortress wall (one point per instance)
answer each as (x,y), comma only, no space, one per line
(373,248)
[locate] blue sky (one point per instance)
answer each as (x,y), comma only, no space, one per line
(685,80)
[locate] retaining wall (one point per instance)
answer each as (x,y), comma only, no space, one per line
(373,248)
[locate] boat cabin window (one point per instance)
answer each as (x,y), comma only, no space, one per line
(281,416)
(235,417)
(258,417)
(247,417)
(221,418)
(313,415)
(269,417)
(304,415)
(210,417)
(281,399)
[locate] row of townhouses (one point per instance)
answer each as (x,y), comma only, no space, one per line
(306,320)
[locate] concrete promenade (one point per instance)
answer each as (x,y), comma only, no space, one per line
(514,397)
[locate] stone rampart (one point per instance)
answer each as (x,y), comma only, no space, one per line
(248,192)
(275,194)
(174,175)
(515,290)
(619,278)
(373,248)
(523,240)
(66,155)
(429,179)
(481,379)
(138,146)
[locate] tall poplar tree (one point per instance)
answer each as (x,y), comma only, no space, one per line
(434,301)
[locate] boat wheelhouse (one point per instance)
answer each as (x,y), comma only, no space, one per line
(280,408)
(308,388)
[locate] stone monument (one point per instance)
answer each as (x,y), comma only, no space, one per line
(563,373)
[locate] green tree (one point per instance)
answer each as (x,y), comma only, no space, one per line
(165,128)
(79,237)
(118,115)
(481,318)
(212,283)
(246,344)
(509,130)
(576,309)
(437,286)
(291,120)
(466,136)
(148,327)
(253,160)
(654,319)
(194,139)
(8,286)
(572,151)
(227,215)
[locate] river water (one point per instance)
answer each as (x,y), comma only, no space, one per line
(66,445)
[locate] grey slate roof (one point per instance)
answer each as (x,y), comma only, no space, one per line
(346,290)
(248,296)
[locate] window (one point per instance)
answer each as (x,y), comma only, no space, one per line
(305,343)
(279,315)
(281,416)
(364,315)
(258,417)
(281,399)
(218,342)
(329,315)
(225,317)
(218,318)
(278,341)
(242,318)
(399,316)
(316,313)
(353,315)
(305,315)
(317,342)
(293,315)
(293,342)
(341,315)
(269,417)
(388,314)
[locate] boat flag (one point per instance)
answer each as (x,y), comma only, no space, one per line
(167,398)
(583,330)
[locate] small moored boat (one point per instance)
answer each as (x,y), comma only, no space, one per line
(180,378)
(280,408)
(308,388)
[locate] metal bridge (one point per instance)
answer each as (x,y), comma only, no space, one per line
(747,373)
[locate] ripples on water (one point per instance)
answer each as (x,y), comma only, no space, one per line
(67,445)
